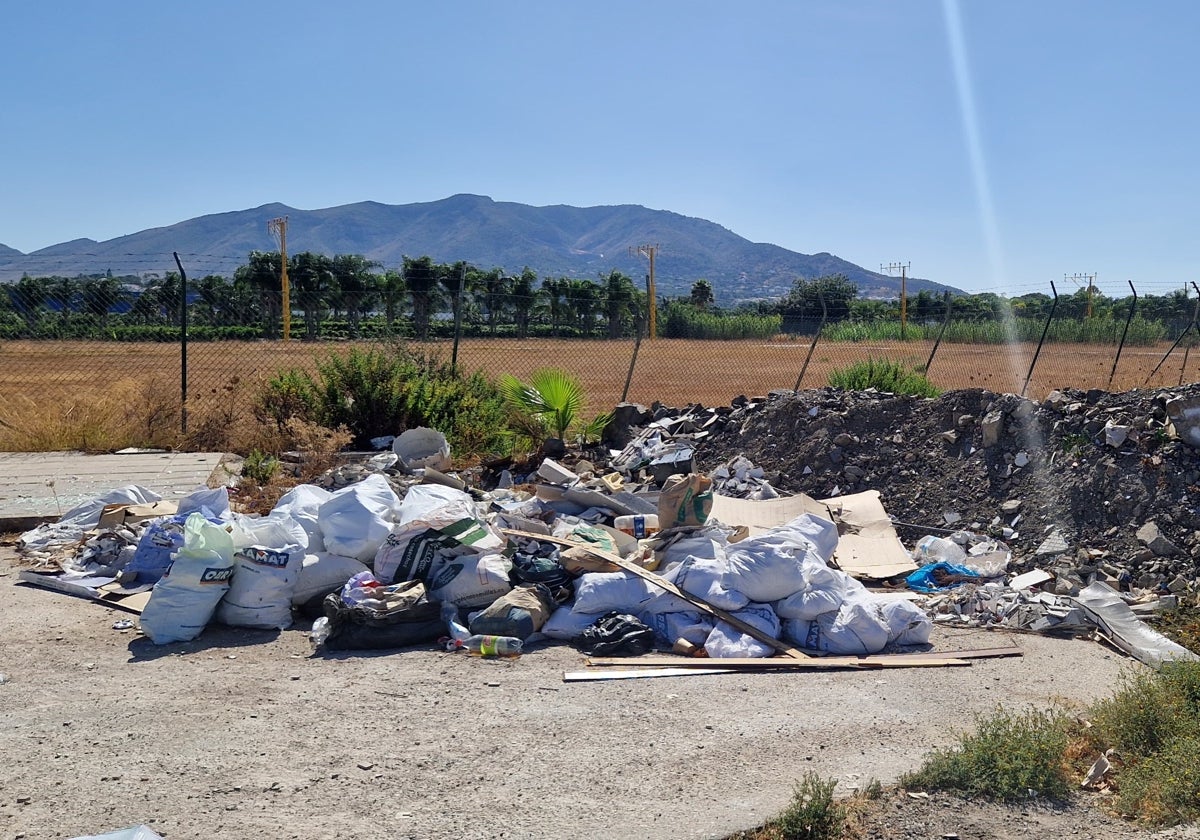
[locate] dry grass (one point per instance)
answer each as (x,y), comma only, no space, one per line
(98,396)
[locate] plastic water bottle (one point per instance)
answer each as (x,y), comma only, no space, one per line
(938,549)
(479,645)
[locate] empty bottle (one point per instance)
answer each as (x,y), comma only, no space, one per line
(480,645)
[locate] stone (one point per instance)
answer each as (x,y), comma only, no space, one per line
(991,426)
(1115,435)
(845,439)
(1055,543)
(1021,459)
(1010,506)
(1158,545)
(950,436)
(1179,584)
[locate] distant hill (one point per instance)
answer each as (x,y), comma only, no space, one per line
(6,252)
(557,240)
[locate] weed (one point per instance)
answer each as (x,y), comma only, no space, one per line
(812,814)
(259,467)
(883,375)
(1011,756)
(1075,442)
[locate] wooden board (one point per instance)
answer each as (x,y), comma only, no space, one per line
(779,663)
(640,674)
(650,577)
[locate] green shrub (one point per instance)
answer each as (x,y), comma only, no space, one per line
(1010,756)
(883,375)
(1153,724)
(259,467)
(812,814)
(383,391)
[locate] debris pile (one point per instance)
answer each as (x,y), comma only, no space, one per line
(738,531)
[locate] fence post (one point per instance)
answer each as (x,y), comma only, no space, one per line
(1124,332)
(1187,348)
(941,332)
(462,280)
(816,336)
(637,345)
(1041,340)
(1182,335)
(182,345)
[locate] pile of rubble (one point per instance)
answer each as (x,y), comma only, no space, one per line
(1056,507)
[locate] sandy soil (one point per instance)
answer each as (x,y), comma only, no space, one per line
(674,371)
(246,734)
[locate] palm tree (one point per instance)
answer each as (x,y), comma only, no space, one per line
(584,297)
(620,297)
(523,295)
(357,287)
(426,291)
(312,285)
(100,295)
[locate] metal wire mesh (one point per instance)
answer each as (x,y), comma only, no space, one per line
(78,338)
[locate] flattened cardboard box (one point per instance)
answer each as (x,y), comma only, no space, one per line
(868,546)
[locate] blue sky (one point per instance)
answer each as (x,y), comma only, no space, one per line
(994,145)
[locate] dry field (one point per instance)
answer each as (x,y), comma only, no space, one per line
(45,376)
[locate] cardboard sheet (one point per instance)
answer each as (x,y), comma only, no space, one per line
(103,589)
(114,516)
(868,546)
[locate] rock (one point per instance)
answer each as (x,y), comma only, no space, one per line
(1010,506)
(1021,459)
(1115,435)
(1055,543)
(991,426)
(1152,538)
(1179,584)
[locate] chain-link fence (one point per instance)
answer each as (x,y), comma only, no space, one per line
(80,340)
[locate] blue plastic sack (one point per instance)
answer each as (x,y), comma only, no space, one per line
(924,579)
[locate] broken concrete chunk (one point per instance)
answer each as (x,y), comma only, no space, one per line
(1021,459)
(1185,416)
(1150,536)
(991,426)
(1056,543)
(1115,435)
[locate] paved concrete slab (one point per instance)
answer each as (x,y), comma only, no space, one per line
(27,497)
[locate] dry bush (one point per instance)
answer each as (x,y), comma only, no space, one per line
(126,413)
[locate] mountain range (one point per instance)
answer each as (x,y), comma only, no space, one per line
(556,240)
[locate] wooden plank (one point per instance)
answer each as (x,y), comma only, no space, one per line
(779,663)
(650,577)
(640,674)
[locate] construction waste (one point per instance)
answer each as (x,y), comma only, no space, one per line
(386,554)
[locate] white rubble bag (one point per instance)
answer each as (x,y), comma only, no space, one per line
(701,572)
(183,601)
(726,641)
(670,627)
(430,518)
(567,625)
(597,593)
(268,553)
(469,580)
(857,628)
(321,573)
(356,519)
(824,591)
(907,623)
(302,503)
(768,567)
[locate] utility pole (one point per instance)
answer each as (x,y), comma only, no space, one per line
(904,267)
(278,227)
(649,252)
(1091,281)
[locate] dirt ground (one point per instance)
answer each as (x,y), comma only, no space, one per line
(673,371)
(247,734)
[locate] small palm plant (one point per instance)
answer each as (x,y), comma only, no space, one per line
(552,399)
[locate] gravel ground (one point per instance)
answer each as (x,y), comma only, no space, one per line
(246,734)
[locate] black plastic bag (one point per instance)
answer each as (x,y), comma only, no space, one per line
(416,621)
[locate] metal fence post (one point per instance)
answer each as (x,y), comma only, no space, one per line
(1124,332)
(1041,340)
(183,327)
